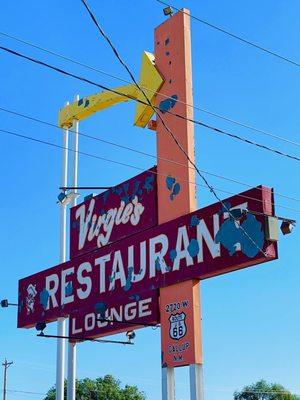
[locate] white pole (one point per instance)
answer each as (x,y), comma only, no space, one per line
(71,386)
(168,383)
(196,382)
(61,323)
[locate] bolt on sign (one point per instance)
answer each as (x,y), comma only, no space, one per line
(121,211)
(199,245)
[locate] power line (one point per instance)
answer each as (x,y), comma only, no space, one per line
(25,392)
(20,135)
(40,141)
(156,109)
(207,390)
(80,78)
(137,151)
(63,57)
(178,144)
(247,126)
(214,114)
(87,81)
(242,139)
(233,35)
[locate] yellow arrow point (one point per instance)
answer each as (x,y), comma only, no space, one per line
(150,81)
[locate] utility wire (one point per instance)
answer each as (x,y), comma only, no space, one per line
(40,141)
(92,83)
(214,114)
(207,390)
(247,126)
(47,123)
(245,140)
(25,392)
(233,35)
(156,109)
(178,144)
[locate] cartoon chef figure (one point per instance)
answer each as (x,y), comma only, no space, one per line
(30,299)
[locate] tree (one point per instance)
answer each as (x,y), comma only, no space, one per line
(262,390)
(107,388)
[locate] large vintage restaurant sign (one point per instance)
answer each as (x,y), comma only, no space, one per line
(199,245)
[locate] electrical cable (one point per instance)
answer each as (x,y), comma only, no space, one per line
(25,392)
(247,141)
(40,141)
(137,151)
(206,390)
(214,114)
(259,145)
(149,103)
(95,84)
(246,41)
(174,138)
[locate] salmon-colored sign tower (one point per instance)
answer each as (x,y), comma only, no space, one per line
(177,196)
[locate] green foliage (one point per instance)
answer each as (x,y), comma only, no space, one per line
(107,388)
(262,390)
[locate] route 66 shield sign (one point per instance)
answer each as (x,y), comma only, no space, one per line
(177,326)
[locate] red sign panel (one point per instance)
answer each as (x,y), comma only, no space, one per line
(131,312)
(121,211)
(199,245)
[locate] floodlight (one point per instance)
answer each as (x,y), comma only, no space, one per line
(168,11)
(286,227)
(66,198)
(4,303)
(130,335)
(40,326)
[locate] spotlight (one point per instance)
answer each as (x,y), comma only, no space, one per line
(40,326)
(286,227)
(168,11)
(130,335)
(66,198)
(4,303)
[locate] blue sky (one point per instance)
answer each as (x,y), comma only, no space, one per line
(250,317)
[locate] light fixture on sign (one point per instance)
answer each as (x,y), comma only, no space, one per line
(168,11)
(66,198)
(130,335)
(40,326)
(5,303)
(287,227)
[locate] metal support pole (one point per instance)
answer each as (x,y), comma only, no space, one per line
(72,351)
(6,365)
(61,323)
(168,383)
(196,382)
